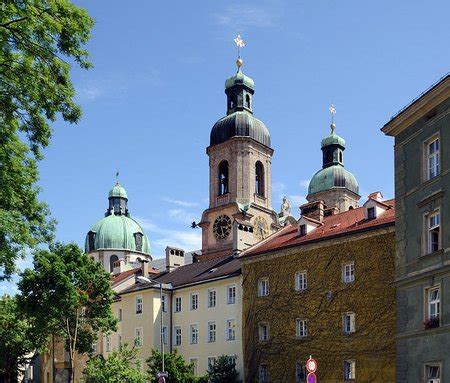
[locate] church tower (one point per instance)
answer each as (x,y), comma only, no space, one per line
(240,201)
(333,184)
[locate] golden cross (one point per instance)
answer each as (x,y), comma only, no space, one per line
(240,44)
(332,110)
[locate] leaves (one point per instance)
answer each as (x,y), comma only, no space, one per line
(179,371)
(39,41)
(223,371)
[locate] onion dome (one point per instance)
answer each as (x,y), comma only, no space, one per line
(117,230)
(239,121)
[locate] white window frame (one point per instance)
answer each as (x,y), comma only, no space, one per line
(194,362)
(138,337)
(178,306)
(164,334)
(139,304)
(211,361)
(301,328)
(231,294)
(348,322)
(231,329)
(432,376)
(212,298)
(263,332)
(263,287)
(429,230)
(212,333)
(164,303)
(432,160)
(301,280)
(348,272)
(193,333)
(263,373)
(193,301)
(177,337)
(29,372)
(433,304)
(349,374)
(108,343)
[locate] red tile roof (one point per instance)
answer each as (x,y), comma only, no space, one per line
(342,224)
(125,274)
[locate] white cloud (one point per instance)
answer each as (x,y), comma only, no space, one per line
(180,202)
(182,215)
(89,92)
(239,16)
(304,184)
(296,200)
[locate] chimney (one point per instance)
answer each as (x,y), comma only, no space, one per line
(174,258)
(314,210)
(118,266)
(144,267)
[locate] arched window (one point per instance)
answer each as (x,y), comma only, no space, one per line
(114,258)
(247,101)
(259,178)
(340,156)
(138,241)
(91,240)
(223,178)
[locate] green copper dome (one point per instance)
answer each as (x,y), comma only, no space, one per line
(333,139)
(239,79)
(332,177)
(118,191)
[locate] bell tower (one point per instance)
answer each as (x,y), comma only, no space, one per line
(240,196)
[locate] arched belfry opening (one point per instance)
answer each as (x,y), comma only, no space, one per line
(113,259)
(223,178)
(259,178)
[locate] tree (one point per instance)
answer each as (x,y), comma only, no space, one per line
(38,38)
(69,295)
(223,371)
(16,339)
(179,371)
(120,366)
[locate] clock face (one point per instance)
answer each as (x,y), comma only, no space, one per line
(222,227)
(261,228)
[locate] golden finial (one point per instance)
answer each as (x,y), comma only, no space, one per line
(240,44)
(332,110)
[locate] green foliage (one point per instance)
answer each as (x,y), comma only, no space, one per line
(16,339)
(179,371)
(120,366)
(37,37)
(69,295)
(223,371)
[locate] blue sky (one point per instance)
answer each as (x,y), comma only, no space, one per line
(157,87)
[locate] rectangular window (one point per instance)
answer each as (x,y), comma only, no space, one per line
(433,307)
(164,303)
(231,295)
(433,231)
(194,333)
(177,336)
(348,272)
(194,363)
(349,369)
(263,331)
(138,341)
(301,328)
(108,343)
(302,230)
(263,287)
(301,281)
(211,362)
(119,316)
(164,334)
(433,158)
(211,331)
(300,372)
(371,214)
(231,329)
(232,359)
(348,322)
(194,301)
(211,298)
(433,373)
(139,304)
(263,373)
(177,304)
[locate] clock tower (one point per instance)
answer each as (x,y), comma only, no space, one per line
(240,202)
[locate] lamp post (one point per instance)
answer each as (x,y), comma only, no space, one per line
(166,286)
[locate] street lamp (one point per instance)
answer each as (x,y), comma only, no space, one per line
(167,286)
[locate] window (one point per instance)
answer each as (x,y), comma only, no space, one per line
(139,304)
(433,373)
(301,282)
(433,231)
(194,301)
(301,328)
(247,101)
(177,336)
(138,337)
(231,295)
(371,213)
(211,362)
(348,272)
(349,370)
(29,373)
(211,298)
(223,178)
(303,230)
(259,179)
(164,303)
(194,333)
(231,329)
(348,322)
(91,239)
(119,316)
(138,241)
(263,332)
(108,343)
(112,259)
(300,372)
(232,359)
(263,373)
(194,363)
(177,304)
(263,287)
(433,306)
(432,158)
(164,334)
(211,331)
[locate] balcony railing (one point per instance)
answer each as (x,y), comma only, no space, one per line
(222,199)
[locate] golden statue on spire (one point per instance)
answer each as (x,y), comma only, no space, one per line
(332,110)
(240,44)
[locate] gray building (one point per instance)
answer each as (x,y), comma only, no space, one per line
(422,192)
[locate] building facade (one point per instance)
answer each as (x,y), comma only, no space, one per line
(422,262)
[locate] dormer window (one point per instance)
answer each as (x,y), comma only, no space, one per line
(138,241)
(371,213)
(302,230)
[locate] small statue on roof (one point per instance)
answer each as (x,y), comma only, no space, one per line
(285,207)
